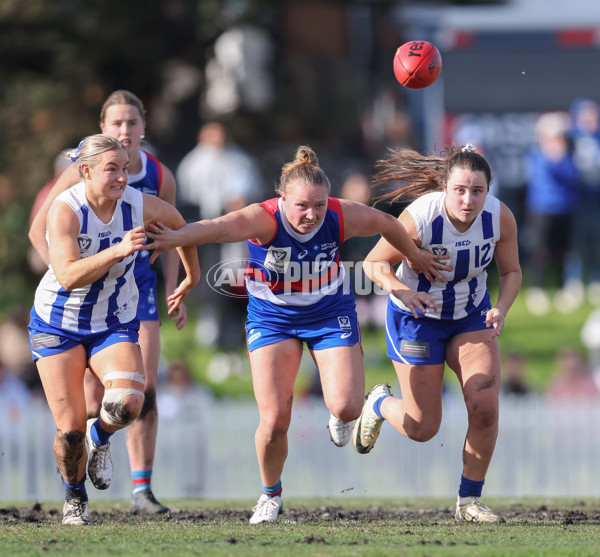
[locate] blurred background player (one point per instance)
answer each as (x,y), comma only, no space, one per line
(585,134)
(123,117)
(551,201)
(213,179)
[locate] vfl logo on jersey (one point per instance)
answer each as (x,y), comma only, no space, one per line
(84,243)
(440,250)
(278,259)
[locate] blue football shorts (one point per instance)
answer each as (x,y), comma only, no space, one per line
(147,309)
(423,341)
(47,340)
(328,332)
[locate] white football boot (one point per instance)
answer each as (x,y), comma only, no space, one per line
(340,432)
(75,512)
(100,466)
(368,425)
(267,509)
(471,509)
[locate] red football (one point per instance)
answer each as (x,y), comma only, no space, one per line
(417,64)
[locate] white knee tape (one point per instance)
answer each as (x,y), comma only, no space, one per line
(112,410)
(131,375)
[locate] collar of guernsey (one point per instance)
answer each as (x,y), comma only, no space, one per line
(293,268)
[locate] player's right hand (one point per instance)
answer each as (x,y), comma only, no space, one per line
(429,264)
(163,239)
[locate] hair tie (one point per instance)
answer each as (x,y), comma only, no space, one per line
(469,148)
(75,154)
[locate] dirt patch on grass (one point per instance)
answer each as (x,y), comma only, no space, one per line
(37,514)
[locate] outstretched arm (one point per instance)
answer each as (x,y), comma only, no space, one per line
(37,230)
(155,210)
(251,222)
(361,220)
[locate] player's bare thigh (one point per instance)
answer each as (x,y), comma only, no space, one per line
(476,361)
(122,356)
(62,379)
(342,373)
(421,388)
(274,370)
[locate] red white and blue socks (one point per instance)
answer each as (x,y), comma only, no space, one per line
(142,480)
(273,491)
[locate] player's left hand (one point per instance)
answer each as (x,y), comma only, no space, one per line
(494,320)
(179,317)
(175,299)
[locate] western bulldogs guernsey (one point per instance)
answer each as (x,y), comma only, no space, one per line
(470,253)
(298,276)
(148,180)
(113,298)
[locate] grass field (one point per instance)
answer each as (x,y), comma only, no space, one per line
(340,527)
